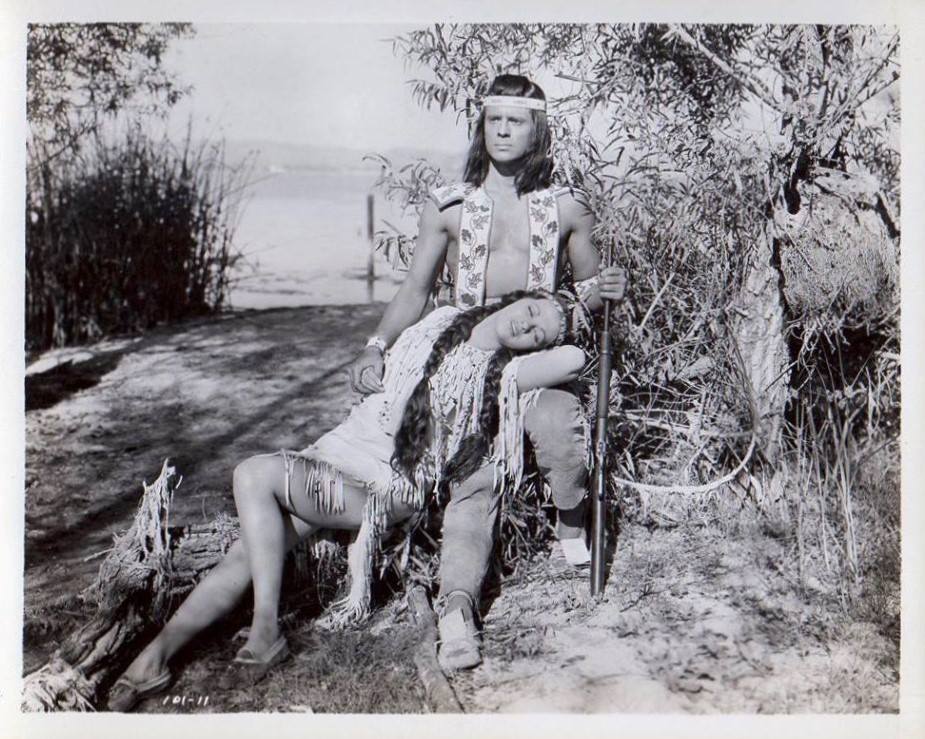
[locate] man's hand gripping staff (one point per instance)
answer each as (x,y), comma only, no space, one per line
(599,485)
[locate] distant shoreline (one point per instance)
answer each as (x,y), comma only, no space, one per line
(292,157)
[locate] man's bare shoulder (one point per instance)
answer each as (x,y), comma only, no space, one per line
(574,205)
(435,221)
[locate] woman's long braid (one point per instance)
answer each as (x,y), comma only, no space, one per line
(475,447)
(414,434)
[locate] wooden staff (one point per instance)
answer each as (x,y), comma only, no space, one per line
(599,489)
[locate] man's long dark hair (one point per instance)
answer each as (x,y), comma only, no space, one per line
(536,172)
(413,437)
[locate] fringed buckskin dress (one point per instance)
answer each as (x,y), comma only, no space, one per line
(361,447)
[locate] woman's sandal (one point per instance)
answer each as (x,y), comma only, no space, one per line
(125,694)
(459,646)
(256,667)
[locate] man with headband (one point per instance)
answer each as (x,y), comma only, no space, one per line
(503,228)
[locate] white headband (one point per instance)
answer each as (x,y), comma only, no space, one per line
(514,101)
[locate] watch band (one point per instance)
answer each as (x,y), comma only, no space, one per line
(378,342)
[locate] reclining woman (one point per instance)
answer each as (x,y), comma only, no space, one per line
(455,388)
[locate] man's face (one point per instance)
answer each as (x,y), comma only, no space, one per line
(508,133)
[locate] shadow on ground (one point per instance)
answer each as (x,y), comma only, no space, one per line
(45,389)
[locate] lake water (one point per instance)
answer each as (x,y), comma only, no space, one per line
(304,238)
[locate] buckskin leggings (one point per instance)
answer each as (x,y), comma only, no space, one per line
(556,427)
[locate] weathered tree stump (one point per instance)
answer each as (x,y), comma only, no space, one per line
(144,577)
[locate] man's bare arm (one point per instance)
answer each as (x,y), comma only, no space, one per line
(584,257)
(406,308)
(409,302)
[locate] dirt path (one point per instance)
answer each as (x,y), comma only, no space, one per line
(694,619)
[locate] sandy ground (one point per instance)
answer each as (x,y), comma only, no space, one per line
(694,619)
(690,622)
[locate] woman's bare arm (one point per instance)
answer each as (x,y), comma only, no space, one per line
(550,367)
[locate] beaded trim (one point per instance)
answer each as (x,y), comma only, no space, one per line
(514,101)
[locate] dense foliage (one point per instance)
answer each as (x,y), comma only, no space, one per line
(747,178)
(122,232)
(129,235)
(77,74)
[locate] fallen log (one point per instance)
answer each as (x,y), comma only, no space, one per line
(437,689)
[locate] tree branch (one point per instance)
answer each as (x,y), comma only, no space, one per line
(690,489)
(754,86)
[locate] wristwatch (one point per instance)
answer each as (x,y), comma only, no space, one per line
(378,342)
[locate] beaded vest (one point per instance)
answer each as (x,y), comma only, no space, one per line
(475,231)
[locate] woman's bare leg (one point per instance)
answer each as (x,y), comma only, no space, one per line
(212,599)
(263,531)
(221,589)
(307,506)
(260,484)
(260,496)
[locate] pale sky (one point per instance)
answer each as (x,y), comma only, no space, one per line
(327,84)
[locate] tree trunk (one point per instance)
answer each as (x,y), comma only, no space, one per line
(759,332)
